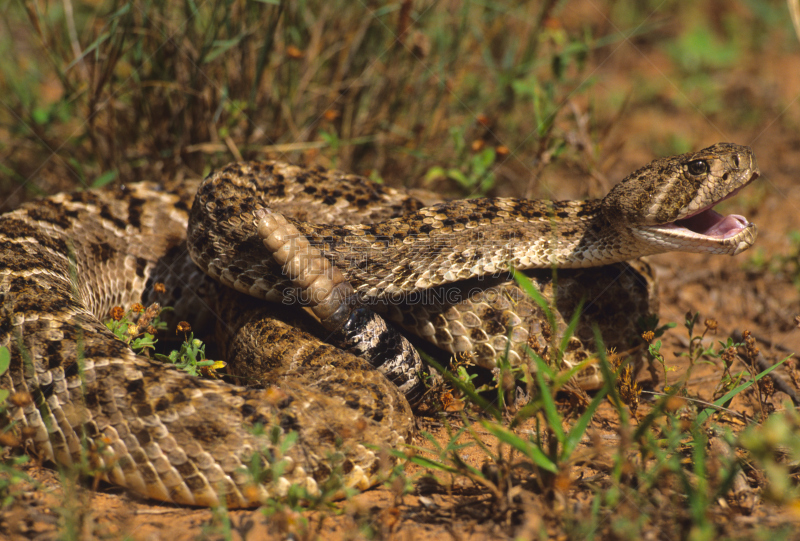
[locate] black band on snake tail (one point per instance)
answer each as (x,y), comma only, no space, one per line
(356,329)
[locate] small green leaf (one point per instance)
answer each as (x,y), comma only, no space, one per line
(459,177)
(484,160)
(288,441)
(105,178)
(435,173)
(40,115)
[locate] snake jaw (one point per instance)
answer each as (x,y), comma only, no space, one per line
(706,230)
(729,235)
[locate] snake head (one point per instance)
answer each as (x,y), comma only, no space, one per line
(670,201)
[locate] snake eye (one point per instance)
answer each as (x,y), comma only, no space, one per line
(697,167)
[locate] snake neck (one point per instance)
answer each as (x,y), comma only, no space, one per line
(565,234)
(456,241)
(579,234)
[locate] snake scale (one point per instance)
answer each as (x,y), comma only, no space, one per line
(349,249)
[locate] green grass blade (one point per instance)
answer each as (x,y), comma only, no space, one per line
(608,375)
(706,413)
(91,48)
(221,47)
(5,359)
(533,452)
(472,395)
(431,463)
(573,324)
(579,428)
(548,372)
(546,397)
(527,286)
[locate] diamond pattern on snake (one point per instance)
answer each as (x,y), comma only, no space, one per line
(372,263)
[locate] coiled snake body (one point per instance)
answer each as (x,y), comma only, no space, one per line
(275,231)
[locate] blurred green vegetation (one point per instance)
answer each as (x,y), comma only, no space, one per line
(160,88)
(98,91)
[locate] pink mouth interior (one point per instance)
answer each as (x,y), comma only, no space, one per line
(713,224)
(710,223)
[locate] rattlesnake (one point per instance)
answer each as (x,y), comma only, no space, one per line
(68,259)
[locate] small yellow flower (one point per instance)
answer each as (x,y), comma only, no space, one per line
(210,371)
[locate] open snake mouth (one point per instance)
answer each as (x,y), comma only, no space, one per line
(711,224)
(704,231)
